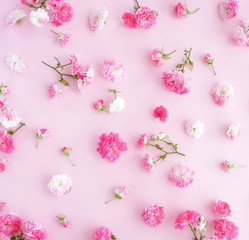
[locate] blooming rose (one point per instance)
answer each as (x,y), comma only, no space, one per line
(15,63)
(153,215)
(39,17)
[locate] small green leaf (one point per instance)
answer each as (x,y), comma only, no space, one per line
(117,196)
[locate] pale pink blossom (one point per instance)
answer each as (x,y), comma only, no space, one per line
(76,67)
(103,233)
(130,20)
(142,141)
(55,91)
(186,218)
(222,209)
(99,105)
(145,17)
(159,56)
(222,93)
(15,17)
(98,19)
(4,89)
(228,9)
(34,231)
(148,163)
(3,162)
(6,142)
(85,77)
(39,17)
(110,146)
(226,166)
(42,133)
(10,224)
(181,176)
(161,113)
(241,36)
(113,70)
(233,131)
(62,13)
(15,63)
(9,117)
(175,82)
(225,229)
(119,193)
(60,185)
(195,128)
(63,221)
(153,215)
(62,38)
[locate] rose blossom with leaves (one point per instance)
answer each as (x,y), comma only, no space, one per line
(181,10)
(156,141)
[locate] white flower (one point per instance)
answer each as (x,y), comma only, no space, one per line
(15,16)
(9,117)
(15,63)
(222,92)
(233,131)
(195,129)
(202,224)
(60,185)
(98,19)
(117,105)
(90,72)
(39,17)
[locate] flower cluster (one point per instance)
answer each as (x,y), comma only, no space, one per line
(82,75)
(58,12)
(11,228)
(143,17)
(153,141)
(110,146)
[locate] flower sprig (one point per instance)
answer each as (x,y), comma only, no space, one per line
(186,61)
(12,132)
(156,141)
(42,5)
(67,152)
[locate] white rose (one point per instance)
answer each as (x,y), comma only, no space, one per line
(15,63)
(117,105)
(195,129)
(39,17)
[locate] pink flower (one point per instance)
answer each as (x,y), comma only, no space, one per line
(63,221)
(142,141)
(55,3)
(66,151)
(148,163)
(222,209)
(9,117)
(110,146)
(180,10)
(63,38)
(225,229)
(15,17)
(228,9)
(161,113)
(6,143)
(222,93)
(130,20)
(226,166)
(27,2)
(99,105)
(42,133)
(233,131)
(98,19)
(240,36)
(145,17)
(55,91)
(175,82)
(4,89)
(85,77)
(181,175)
(153,215)
(119,193)
(10,224)
(158,56)
(34,231)
(62,14)
(186,218)
(3,162)
(113,70)
(208,58)
(103,233)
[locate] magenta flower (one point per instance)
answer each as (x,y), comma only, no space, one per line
(130,20)
(175,82)
(9,224)
(113,70)
(153,215)
(110,146)
(225,229)
(146,17)
(181,10)
(181,175)
(228,9)
(186,218)
(3,162)
(222,209)
(208,58)
(103,233)
(99,105)
(142,141)
(63,221)
(41,133)
(66,151)
(119,193)
(161,113)
(35,231)
(6,142)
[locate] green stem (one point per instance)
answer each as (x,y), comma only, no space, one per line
(196,10)
(160,148)
(193,231)
(53,32)
(138,6)
(71,160)
(170,53)
(11,132)
(212,66)
(41,5)
(109,200)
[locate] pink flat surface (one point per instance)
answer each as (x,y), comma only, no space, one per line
(74,122)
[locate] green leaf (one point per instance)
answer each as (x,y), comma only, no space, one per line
(117,196)
(64,82)
(113,237)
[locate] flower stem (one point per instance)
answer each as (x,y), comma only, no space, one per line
(212,66)
(71,160)
(37,143)
(53,32)
(166,153)
(170,53)
(196,10)
(193,231)
(138,6)
(11,132)
(41,5)
(61,74)
(109,200)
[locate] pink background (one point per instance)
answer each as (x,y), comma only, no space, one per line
(74,123)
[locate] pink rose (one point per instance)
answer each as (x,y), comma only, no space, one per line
(63,221)
(161,113)
(146,17)
(222,209)
(186,218)
(3,162)
(180,10)
(225,229)
(153,215)
(62,14)
(130,19)
(228,9)
(9,224)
